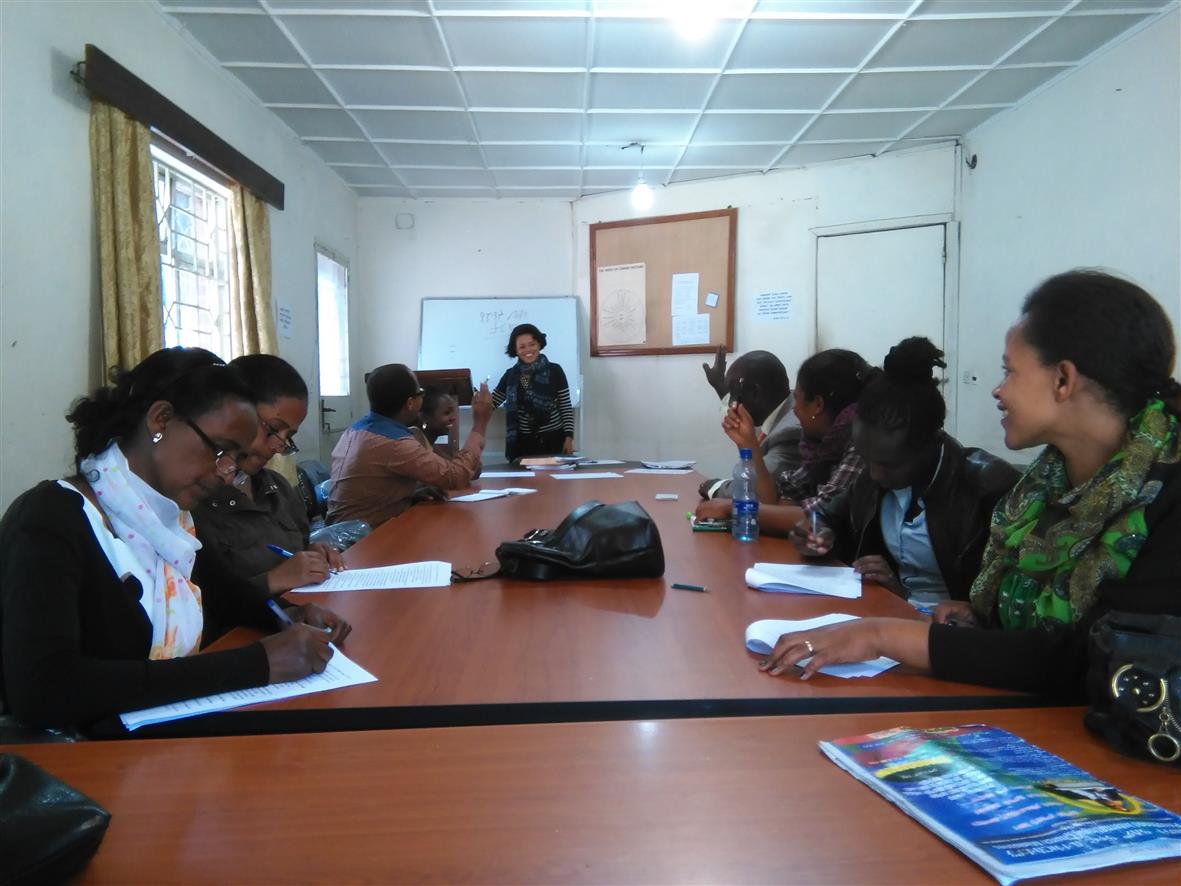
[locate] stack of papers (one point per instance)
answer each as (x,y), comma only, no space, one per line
(660,471)
(667,465)
(762,636)
(792,578)
(486,494)
(586,475)
(427,574)
(341,672)
(496,475)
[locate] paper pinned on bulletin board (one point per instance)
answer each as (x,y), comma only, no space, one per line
(711,300)
(691,330)
(284,321)
(771,307)
(622,304)
(684,294)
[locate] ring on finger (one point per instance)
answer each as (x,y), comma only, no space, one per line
(808,644)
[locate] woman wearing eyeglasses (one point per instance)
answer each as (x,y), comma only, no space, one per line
(238,520)
(100,609)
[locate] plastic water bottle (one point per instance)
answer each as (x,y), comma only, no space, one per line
(744,510)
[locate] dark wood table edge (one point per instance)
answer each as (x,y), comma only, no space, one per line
(263,722)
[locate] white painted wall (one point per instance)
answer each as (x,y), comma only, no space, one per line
(456,248)
(1088,173)
(49,319)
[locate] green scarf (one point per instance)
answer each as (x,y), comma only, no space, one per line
(1050,546)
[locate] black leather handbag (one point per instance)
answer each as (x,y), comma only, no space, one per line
(1135,684)
(594,541)
(48,830)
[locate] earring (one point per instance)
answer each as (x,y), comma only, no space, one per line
(158,436)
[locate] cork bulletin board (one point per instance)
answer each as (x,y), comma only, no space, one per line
(663,285)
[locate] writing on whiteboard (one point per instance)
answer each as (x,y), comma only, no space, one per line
(500,323)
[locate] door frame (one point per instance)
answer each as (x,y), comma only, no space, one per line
(951,288)
(322,435)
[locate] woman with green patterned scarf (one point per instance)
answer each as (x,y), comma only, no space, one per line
(1093,525)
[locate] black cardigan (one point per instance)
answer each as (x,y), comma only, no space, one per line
(1053,661)
(74,639)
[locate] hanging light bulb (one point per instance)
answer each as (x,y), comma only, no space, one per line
(641,193)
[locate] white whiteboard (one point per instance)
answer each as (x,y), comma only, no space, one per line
(472,333)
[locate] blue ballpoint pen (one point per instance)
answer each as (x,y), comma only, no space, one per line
(282,552)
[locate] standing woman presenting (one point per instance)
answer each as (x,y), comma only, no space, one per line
(536,395)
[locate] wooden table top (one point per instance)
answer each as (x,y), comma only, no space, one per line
(499,651)
(746,800)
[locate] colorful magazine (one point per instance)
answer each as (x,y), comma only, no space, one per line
(1014,809)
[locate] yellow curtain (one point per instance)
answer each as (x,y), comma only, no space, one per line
(128,237)
(252,320)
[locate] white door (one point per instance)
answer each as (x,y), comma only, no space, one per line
(334,411)
(876,288)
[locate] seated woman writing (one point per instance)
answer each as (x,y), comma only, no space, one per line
(917,519)
(238,523)
(825,403)
(100,610)
(1093,525)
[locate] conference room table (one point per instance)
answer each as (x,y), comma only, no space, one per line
(512,651)
(730,800)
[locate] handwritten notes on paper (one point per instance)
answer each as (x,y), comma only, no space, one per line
(771,307)
(622,307)
(427,574)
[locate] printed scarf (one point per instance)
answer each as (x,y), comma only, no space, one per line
(166,551)
(1051,546)
(528,391)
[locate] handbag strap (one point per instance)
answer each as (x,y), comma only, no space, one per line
(487,569)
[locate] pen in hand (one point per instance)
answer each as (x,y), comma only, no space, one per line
(287,555)
(286,619)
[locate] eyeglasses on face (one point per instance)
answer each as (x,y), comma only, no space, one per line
(224,462)
(289,447)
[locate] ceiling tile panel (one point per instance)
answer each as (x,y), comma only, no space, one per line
(480,178)
(382,191)
(1092,5)
(446,193)
(367,40)
(285,85)
(234,4)
(538,178)
(801,155)
(615,155)
(807,43)
(512,127)
(347,152)
(689,175)
(532,155)
(621,178)
(319,123)
(749,127)
(240,38)
(432,88)
(571,193)
(460,6)
(859,7)
(440,126)
(952,122)
(989,7)
(366,175)
(516,42)
(517,90)
(339,6)
(665,91)
(1005,85)
(1073,38)
(649,43)
(848,126)
(643,128)
(788,92)
(431,155)
(920,89)
(966,42)
(731,155)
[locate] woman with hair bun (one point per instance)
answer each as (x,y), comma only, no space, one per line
(825,403)
(1094,524)
(917,520)
(100,609)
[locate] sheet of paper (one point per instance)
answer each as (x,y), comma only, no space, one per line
(488,494)
(684,294)
(586,475)
(796,578)
(672,464)
(600,461)
(621,293)
(659,471)
(501,475)
(341,671)
(771,307)
(691,329)
(761,637)
(284,321)
(427,574)
(712,299)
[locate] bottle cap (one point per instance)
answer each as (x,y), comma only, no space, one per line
(744,454)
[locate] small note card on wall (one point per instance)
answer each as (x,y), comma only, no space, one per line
(771,307)
(284,320)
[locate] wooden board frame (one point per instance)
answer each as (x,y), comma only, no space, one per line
(696,242)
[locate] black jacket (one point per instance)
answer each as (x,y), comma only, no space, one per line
(959,505)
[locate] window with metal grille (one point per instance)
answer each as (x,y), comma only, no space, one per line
(192,211)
